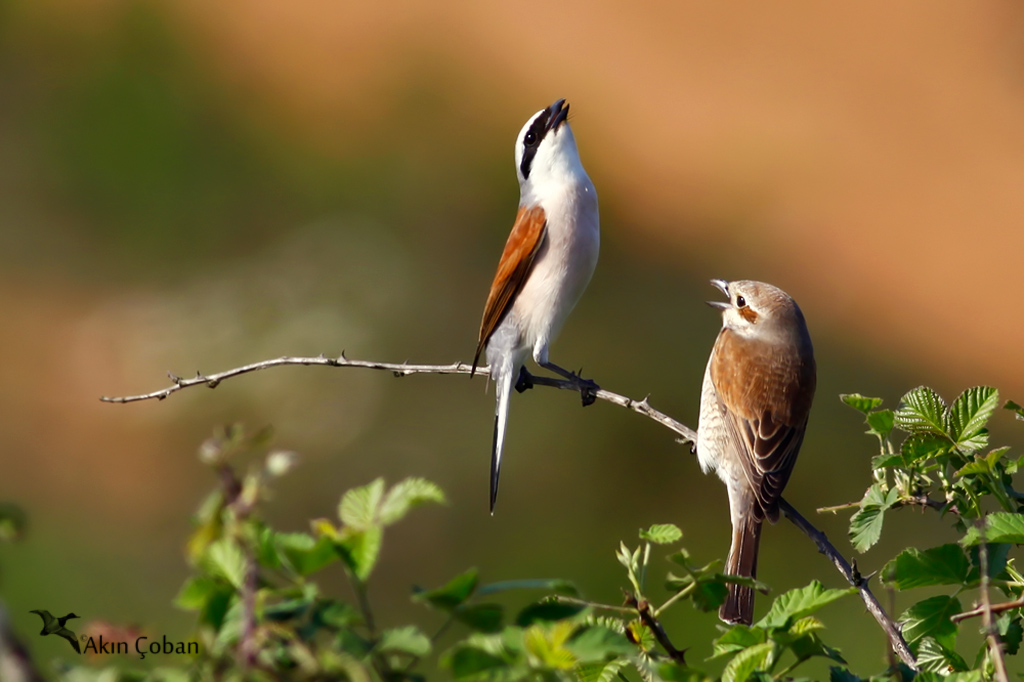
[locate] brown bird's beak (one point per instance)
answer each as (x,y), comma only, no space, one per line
(724,287)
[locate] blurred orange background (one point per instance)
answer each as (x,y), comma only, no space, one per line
(195,186)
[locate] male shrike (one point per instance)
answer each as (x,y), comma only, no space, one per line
(757,394)
(547,263)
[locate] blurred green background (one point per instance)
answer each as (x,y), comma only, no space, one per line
(195,186)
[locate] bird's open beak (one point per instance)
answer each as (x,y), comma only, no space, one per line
(723,286)
(558,113)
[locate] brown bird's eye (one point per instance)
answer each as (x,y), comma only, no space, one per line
(740,301)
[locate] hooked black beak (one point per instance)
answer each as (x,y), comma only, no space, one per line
(723,286)
(557,114)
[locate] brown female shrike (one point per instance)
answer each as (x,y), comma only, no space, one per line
(547,263)
(757,394)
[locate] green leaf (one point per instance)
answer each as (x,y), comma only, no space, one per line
(412,492)
(359,506)
(13,522)
(1018,409)
(405,640)
(859,402)
(451,595)
(738,638)
(197,592)
(709,595)
(471,663)
(931,618)
(359,549)
(481,617)
(662,534)
(969,414)
(944,565)
(922,410)
(999,527)
(866,522)
(747,661)
(1010,632)
(933,657)
(880,423)
(598,643)
(547,611)
(673,672)
(810,646)
(564,587)
(305,553)
(922,446)
(605,671)
(799,603)
(225,559)
(837,674)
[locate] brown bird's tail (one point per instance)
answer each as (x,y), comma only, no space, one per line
(739,605)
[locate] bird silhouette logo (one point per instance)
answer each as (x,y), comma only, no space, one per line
(55,626)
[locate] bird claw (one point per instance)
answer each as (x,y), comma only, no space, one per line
(588,389)
(525,381)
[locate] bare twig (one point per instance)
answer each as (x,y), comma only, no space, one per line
(643,407)
(399,370)
(993,608)
(643,609)
(890,628)
(995,646)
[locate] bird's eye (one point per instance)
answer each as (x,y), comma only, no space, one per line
(530,139)
(740,302)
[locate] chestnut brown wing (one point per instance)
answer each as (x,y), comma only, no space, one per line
(767,396)
(521,249)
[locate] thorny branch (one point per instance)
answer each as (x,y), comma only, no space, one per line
(995,646)
(686,434)
(643,609)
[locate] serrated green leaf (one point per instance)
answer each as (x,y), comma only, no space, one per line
(481,617)
(412,492)
(944,565)
(359,506)
(598,643)
(548,645)
(881,423)
(921,446)
(931,618)
(662,534)
(1000,527)
(859,402)
(405,640)
(970,413)
(805,625)
(933,657)
(743,664)
(225,559)
(800,602)
(1014,407)
(359,549)
(547,611)
(922,410)
(304,553)
(737,638)
(866,523)
(563,587)
(451,595)
(471,663)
